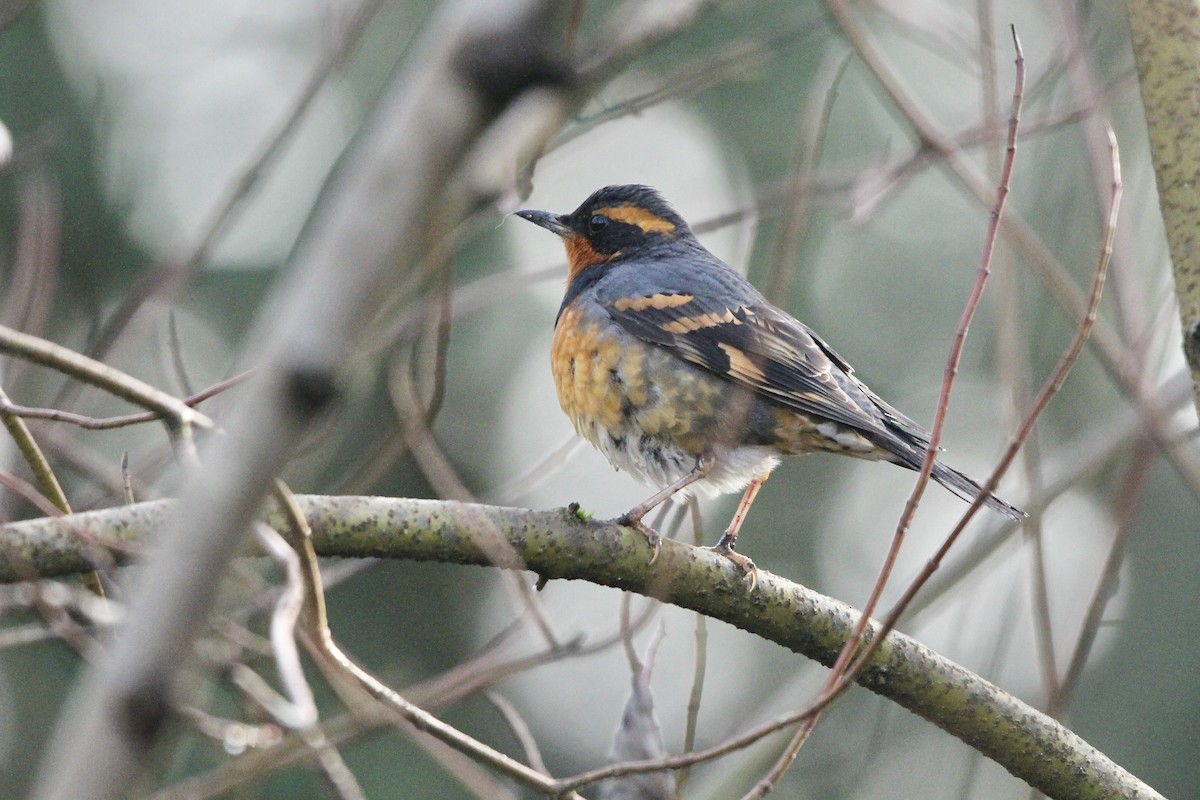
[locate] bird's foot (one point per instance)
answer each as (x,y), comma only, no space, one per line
(743,563)
(652,537)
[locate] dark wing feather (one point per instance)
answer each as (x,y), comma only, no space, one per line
(764,349)
(722,324)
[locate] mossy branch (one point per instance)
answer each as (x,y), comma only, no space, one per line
(1166,44)
(559,544)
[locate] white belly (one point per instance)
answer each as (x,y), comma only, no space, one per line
(659,464)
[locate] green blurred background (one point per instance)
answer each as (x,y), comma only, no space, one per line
(131,120)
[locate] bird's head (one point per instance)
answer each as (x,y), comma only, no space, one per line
(615,222)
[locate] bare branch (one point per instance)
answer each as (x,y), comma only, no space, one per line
(378,215)
(179,417)
(559,545)
(108,423)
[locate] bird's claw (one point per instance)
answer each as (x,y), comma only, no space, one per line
(743,563)
(652,537)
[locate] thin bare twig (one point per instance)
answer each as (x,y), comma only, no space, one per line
(486,668)
(561,545)
(47,481)
(545,469)
(373,222)
(797,194)
(33,455)
(301,710)
(706,71)
(185,263)
(836,677)
(441,474)
(175,353)
(180,418)
(333,767)
(1014,371)
(1126,505)
(109,423)
(343,672)
(520,729)
(1106,345)
(1042,617)
(127,479)
(30,493)
(700,665)
(35,264)
(1091,452)
(1050,388)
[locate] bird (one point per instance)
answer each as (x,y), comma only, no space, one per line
(676,368)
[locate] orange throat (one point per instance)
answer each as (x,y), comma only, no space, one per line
(581,255)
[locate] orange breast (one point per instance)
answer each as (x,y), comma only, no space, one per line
(584,361)
(633,390)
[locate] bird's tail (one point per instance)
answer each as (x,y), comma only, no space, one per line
(968,489)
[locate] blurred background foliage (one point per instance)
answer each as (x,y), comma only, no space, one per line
(133,122)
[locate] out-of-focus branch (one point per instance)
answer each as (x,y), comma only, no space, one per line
(1164,43)
(842,667)
(7,407)
(383,206)
(179,417)
(38,465)
(1103,341)
(557,544)
(354,684)
(181,266)
(486,668)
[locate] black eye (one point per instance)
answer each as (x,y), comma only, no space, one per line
(597,223)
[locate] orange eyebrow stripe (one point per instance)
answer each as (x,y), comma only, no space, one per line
(635,215)
(656,301)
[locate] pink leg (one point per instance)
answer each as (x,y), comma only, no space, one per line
(729,538)
(633,517)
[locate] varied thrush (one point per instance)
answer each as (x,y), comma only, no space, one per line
(680,372)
